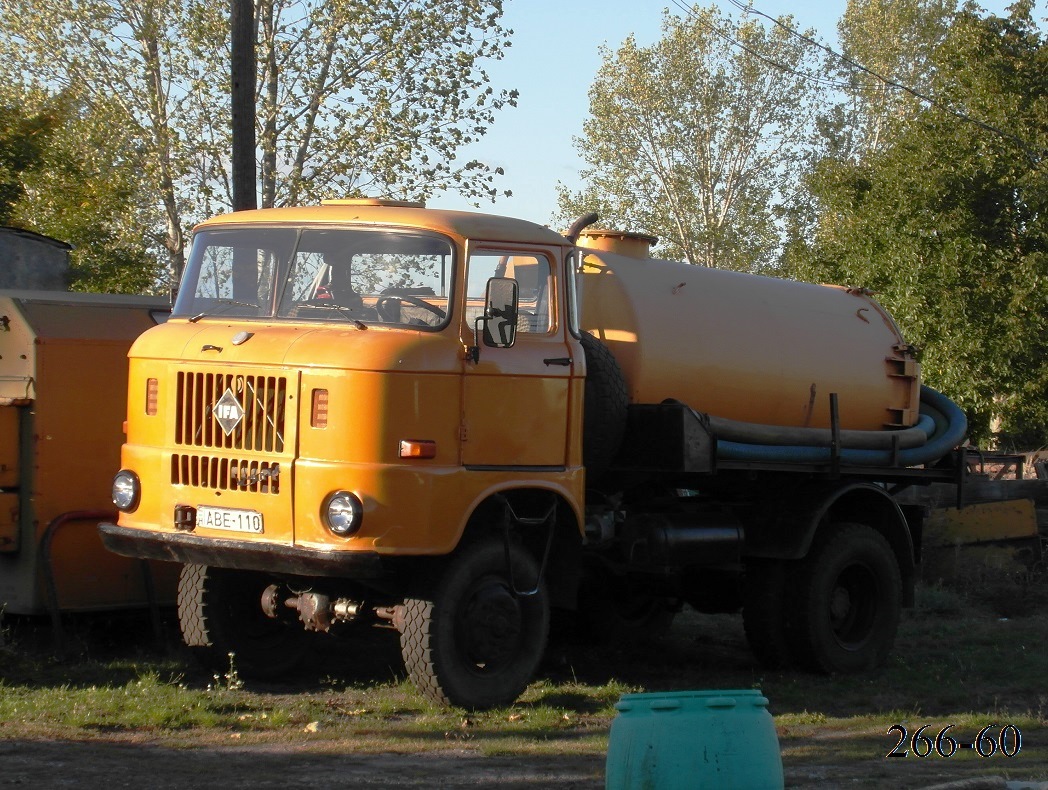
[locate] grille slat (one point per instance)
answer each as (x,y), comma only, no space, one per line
(263,400)
(225,474)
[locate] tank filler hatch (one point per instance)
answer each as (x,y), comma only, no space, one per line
(631,245)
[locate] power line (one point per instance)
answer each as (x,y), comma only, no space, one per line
(1032,153)
(749,8)
(813,78)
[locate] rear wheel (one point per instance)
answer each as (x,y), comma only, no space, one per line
(472,639)
(848,601)
(220,613)
(614,610)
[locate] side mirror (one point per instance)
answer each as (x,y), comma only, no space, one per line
(500,313)
(498,326)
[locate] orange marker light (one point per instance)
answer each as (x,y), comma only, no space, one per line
(152,388)
(319,415)
(418,448)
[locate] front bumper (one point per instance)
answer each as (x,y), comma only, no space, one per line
(240,554)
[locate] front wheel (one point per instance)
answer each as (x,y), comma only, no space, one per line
(475,638)
(848,601)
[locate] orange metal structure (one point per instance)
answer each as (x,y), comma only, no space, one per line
(63,385)
(757,349)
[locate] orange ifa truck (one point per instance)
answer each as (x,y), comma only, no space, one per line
(454,423)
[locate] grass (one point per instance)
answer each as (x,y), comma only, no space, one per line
(167,702)
(958,661)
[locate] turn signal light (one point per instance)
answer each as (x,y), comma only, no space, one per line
(152,388)
(418,448)
(319,413)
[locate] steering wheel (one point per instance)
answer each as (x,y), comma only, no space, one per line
(386,313)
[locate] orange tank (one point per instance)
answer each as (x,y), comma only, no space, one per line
(749,348)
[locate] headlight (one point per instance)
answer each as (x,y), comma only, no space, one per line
(342,513)
(126,490)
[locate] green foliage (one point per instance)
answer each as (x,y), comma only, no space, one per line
(86,191)
(383,97)
(896,40)
(697,141)
(23,140)
(67,171)
(355,96)
(945,220)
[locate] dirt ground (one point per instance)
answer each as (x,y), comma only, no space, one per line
(110,765)
(815,756)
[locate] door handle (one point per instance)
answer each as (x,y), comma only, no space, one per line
(563,361)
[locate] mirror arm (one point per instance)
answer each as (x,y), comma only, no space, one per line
(473,352)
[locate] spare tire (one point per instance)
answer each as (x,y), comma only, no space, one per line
(605,403)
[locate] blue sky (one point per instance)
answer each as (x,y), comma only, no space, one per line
(552,62)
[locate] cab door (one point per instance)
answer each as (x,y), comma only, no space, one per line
(516,399)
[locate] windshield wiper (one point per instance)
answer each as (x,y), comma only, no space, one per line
(229,302)
(342,311)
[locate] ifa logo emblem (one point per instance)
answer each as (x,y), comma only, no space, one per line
(228,411)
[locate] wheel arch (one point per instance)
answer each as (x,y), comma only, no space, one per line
(787,529)
(527,506)
(875,507)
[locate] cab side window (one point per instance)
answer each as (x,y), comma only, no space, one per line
(532,273)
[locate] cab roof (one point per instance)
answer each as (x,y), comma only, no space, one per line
(465,224)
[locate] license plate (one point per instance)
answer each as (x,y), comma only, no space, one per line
(229,518)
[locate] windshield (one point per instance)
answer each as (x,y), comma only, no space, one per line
(362,276)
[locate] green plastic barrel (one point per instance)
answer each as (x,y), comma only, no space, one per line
(693,739)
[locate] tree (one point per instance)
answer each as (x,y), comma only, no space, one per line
(355,96)
(83,188)
(884,66)
(945,219)
(895,40)
(698,138)
(23,140)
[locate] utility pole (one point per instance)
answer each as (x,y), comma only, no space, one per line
(242,102)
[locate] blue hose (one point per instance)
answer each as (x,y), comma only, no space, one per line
(950,428)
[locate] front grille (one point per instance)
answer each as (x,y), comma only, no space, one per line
(225,474)
(263,400)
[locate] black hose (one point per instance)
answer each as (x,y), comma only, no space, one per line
(754,433)
(950,429)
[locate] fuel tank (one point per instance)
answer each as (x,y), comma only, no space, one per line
(745,347)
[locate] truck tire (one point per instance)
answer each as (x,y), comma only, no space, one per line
(605,404)
(220,613)
(471,641)
(764,613)
(848,601)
